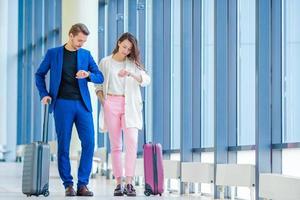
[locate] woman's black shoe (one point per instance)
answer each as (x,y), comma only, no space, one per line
(129,190)
(119,190)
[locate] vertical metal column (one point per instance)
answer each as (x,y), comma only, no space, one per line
(263,92)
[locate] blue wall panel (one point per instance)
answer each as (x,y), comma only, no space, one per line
(263,85)
(186,85)
(232,80)
(221,84)
(158,72)
(276,84)
(196,75)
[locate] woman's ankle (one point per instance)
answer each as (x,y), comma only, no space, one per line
(128,180)
(118,181)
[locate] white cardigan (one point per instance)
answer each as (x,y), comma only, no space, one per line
(133,98)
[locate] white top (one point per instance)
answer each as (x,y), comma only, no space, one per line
(132,92)
(116,84)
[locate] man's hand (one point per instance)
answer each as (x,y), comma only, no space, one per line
(45,100)
(82,74)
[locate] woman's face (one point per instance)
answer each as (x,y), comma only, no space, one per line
(125,47)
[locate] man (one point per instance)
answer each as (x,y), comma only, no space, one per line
(71,67)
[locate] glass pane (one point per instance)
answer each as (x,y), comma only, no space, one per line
(291,71)
(207,74)
(175,76)
(246,72)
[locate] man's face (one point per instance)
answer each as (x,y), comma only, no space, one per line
(78,40)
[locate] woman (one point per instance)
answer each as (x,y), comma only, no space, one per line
(121,102)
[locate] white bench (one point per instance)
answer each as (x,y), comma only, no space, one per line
(197,172)
(234,175)
(20,152)
(172,170)
(53,150)
(279,187)
(3,151)
(139,171)
(99,161)
(139,167)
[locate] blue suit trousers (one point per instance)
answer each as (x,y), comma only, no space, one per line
(66,113)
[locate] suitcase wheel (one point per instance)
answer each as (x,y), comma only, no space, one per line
(46,193)
(147,193)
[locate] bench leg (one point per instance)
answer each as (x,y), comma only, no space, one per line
(136,180)
(197,188)
(185,188)
(167,185)
(212,189)
(108,174)
(222,192)
(192,188)
(232,192)
(252,193)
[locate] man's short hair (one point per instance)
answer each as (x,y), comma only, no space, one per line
(77,28)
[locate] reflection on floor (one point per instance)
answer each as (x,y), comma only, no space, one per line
(11,183)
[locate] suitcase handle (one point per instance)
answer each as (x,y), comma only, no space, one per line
(46,121)
(144,121)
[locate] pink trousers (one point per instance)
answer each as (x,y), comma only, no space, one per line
(114,116)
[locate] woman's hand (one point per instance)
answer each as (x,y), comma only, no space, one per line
(101,101)
(123,72)
(101,97)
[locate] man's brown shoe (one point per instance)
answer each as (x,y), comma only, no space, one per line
(70,192)
(84,191)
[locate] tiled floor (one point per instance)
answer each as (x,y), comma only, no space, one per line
(11,182)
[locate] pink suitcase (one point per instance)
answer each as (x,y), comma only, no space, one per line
(153,169)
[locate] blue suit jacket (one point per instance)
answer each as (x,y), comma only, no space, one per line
(53,61)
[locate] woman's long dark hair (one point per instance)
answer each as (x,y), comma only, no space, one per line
(135,52)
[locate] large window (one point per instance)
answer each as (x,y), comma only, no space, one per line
(207,74)
(246,72)
(291,70)
(38,31)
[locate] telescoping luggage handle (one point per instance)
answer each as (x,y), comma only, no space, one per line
(144,121)
(46,121)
